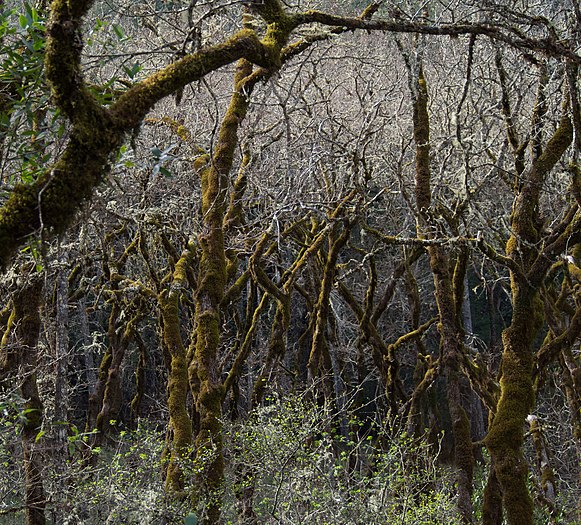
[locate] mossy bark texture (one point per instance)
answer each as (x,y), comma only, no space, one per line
(547,475)
(506,434)
(50,203)
(208,389)
(27,329)
(204,372)
(112,374)
(180,422)
(492,499)
(450,326)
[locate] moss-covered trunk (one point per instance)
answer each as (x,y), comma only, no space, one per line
(177,387)
(204,372)
(506,434)
(492,499)
(106,398)
(208,389)
(27,329)
(112,389)
(450,326)
(528,269)
(207,386)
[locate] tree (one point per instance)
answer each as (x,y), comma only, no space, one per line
(208,252)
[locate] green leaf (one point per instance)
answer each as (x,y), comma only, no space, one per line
(133,70)
(119,31)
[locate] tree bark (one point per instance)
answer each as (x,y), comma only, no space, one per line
(28,323)
(450,327)
(528,269)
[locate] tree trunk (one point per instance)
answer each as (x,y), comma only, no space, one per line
(180,422)
(26,308)
(204,370)
(61,401)
(528,269)
(451,333)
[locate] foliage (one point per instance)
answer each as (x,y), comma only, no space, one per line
(303,470)
(25,109)
(286,455)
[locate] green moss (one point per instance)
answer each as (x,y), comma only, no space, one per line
(492,500)
(105,364)
(8,330)
(207,339)
(463,450)
(59,191)
(231,267)
(209,404)
(556,146)
(505,437)
(201,162)
(422,140)
(235,208)
(270,10)
(576,252)
(132,106)
(181,424)
(516,401)
(276,36)
(97,132)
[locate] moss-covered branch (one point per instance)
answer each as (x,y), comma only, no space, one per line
(63,59)
(505,34)
(181,425)
(50,203)
(246,345)
(450,325)
(338,236)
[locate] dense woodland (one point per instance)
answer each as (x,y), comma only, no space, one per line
(269,262)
